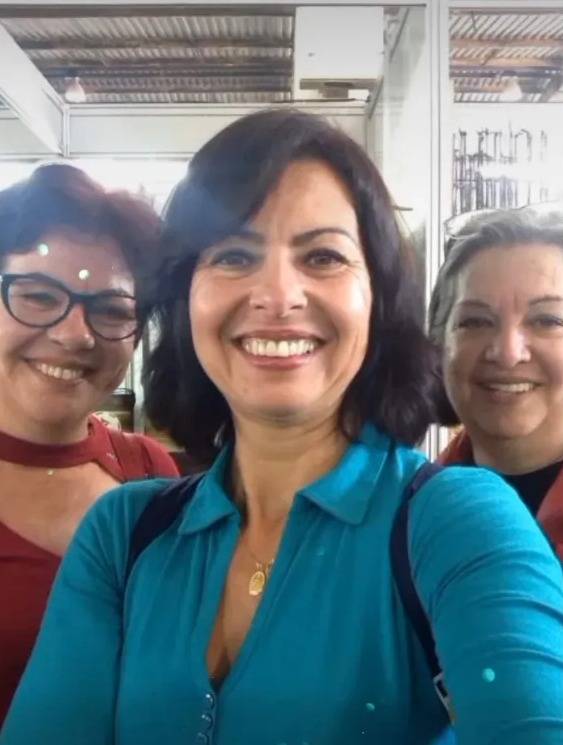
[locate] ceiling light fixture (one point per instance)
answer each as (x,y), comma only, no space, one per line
(75,93)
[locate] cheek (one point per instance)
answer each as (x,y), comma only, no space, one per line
(203,297)
(354,306)
(460,358)
(204,310)
(210,312)
(550,360)
(117,359)
(15,338)
(211,296)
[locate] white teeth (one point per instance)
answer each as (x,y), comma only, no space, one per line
(62,373)
(272,348)
(278,348)
(511,387)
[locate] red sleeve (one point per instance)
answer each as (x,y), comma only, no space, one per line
(158,458)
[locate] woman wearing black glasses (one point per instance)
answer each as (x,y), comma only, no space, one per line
(72,262)
(497,312)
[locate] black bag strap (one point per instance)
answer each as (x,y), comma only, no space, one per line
(401,567)
(159,515)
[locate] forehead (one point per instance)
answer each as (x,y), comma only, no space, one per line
(308,191)
(79,261)
(510,272)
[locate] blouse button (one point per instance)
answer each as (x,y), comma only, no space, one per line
(202,739)
(209,700)
(207,720)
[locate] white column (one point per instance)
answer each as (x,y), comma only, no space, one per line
(30,96)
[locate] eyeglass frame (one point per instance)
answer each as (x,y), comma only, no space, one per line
(85,299)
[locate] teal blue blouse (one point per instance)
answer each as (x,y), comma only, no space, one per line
(330,658)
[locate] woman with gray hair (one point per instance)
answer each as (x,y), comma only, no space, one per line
(497,312)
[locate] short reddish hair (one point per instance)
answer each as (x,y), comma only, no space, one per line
(60,196)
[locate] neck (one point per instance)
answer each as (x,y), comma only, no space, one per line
(515,455)
(41,434)
(272,463)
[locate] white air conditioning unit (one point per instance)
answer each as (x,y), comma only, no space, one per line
(338,51)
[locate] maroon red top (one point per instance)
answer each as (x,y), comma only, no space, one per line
(27,571)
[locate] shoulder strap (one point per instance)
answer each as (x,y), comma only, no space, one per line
(130,454)
(159,515)
(401,567)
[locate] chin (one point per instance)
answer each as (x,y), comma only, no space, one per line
(508,430)
(59,419)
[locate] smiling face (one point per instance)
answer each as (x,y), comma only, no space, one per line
(504,345)
(280,313)
(51,379)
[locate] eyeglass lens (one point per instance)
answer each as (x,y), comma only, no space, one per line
(37,302)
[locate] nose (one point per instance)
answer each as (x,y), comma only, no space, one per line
(278,289)
(508,347)
(73,332)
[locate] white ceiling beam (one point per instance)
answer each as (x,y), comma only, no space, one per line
(175,131)
(186,3)
(29,95)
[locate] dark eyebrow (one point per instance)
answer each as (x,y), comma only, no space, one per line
(308,235)
(546,299)
(298,240)
(247,234)
(474,304)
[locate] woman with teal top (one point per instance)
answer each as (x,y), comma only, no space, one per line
(291,341)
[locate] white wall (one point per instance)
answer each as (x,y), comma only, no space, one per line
(548,116)
(533,117)
(399,128)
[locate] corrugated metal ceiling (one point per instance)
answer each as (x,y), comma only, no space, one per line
(115,28)
(200,58)
(489,49)
(221,55)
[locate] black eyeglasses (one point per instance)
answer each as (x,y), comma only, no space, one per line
(39,301)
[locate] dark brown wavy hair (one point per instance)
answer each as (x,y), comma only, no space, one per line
(227,182)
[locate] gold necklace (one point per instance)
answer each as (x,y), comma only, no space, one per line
(260,576)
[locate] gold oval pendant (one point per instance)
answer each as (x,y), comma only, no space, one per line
(256,584)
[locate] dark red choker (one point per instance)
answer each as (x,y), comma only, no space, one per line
(24,453)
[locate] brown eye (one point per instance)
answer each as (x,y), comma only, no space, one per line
(233,257)
(547,321)
(325,257)
(474,323)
